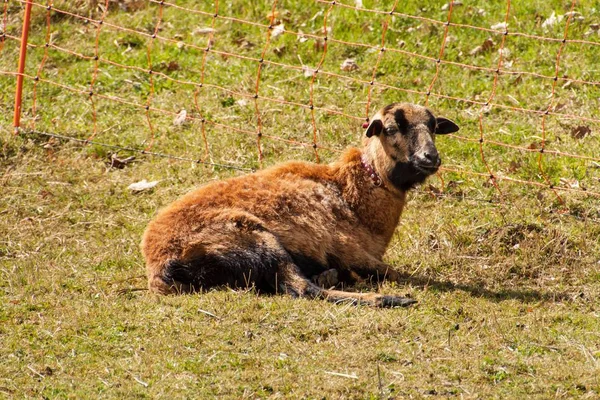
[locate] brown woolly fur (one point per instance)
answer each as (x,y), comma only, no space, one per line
(277,228)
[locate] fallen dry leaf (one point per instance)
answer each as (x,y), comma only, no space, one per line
(501,26)
(581,131)
(505,52)
(301,37)
(572,183)
(173,66)
(518,79)
(277,30)
(141,186)
(180,118)
(51,144)
(487,45)
(594,28)
(349,65)
(446,6)
(454,184)
(244,43)
(540,195)
(279,50)
(202,31)
(308,72)
(552,20)
(434,190)
(514,166)
(119,163)
(128,5)
(575,16)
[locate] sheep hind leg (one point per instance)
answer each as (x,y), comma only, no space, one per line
(291,281)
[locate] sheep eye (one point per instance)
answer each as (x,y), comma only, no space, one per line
(390,131)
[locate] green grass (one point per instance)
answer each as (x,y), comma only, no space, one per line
(507,283)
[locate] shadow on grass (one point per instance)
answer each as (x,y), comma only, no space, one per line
(426,282)
(526,295)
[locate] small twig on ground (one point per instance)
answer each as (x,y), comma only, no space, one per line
(138,380)
(381,395)
(29,367)
(341,374)
(208,313)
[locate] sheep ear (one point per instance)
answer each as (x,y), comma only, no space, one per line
(375,128)
(445,126)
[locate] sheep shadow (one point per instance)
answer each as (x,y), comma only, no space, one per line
(479,290)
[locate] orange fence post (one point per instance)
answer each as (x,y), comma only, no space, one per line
(22,56)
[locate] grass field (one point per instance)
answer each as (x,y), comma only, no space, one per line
(507,283)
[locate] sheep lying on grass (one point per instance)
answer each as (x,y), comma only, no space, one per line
(276,228)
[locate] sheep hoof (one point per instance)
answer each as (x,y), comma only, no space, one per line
(396,301)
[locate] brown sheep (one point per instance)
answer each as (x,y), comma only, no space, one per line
(276,228)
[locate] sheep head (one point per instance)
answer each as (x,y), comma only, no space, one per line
(400,143)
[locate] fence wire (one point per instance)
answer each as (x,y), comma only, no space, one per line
(100,22)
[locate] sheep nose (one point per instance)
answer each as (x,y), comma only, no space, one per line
(430,157)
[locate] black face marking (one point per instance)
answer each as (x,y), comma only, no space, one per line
(388,108)
(405,176)
(413,144)
(401,121)
(431,122)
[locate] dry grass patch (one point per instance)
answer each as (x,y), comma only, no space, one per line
(507,283)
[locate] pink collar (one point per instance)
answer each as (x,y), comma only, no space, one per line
(377,181)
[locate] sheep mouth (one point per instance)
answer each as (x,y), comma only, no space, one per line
(427,169)
(406,175)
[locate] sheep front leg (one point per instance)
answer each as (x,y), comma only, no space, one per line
(293,282)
